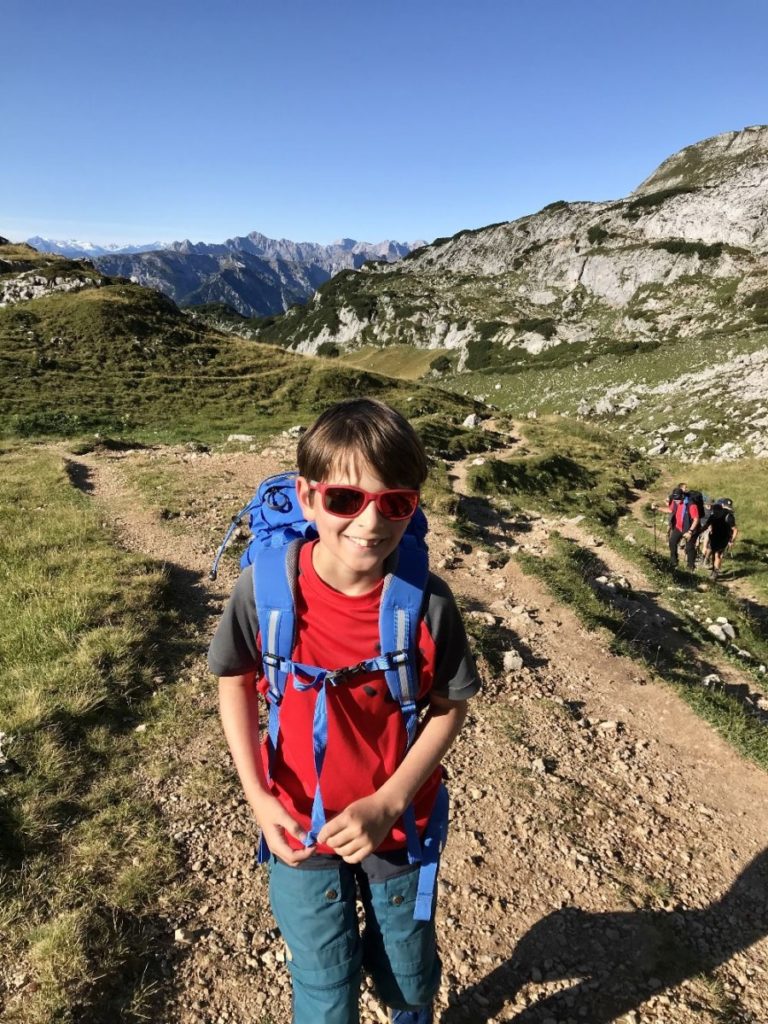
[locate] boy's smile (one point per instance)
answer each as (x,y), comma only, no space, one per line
(351,553)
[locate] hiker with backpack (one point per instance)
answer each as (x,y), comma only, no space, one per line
(362,658)
(720,521)
(686,510)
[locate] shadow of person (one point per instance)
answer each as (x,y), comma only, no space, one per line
(621,958)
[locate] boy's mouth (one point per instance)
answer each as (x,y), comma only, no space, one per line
(361,542)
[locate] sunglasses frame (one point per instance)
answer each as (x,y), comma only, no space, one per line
(368,497)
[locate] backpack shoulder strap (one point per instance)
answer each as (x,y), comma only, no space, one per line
(400,612)
(275,571)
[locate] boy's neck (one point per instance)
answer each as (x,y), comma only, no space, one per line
(343,580)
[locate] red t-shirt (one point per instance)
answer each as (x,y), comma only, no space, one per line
(366,734)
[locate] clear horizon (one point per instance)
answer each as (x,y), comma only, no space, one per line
(174,121)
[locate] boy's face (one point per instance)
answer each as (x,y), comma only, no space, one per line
(350,553)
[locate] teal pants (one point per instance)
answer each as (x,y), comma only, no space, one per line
(315,911)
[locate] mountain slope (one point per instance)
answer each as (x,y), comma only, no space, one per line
(662,263)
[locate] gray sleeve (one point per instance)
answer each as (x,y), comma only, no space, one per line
(233,650)
(456,675)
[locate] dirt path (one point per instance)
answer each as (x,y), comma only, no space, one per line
(601,864)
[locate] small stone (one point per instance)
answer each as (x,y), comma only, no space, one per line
(512,661)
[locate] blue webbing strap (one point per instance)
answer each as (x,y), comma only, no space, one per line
(399,615)
(432,844)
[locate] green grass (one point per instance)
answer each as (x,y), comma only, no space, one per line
(403,361)
(83,858)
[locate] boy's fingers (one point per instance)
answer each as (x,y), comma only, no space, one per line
(330,829)
(286,853)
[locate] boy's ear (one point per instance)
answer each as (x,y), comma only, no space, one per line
(304,493)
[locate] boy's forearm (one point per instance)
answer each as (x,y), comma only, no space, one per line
(440,728)
(239,711)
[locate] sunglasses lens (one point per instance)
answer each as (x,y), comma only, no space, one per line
(343,501)
(398,504)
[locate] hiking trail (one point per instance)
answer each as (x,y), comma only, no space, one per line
(598,865)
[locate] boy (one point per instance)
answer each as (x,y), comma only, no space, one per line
(361,466)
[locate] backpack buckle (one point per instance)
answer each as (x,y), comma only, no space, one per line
(340,674)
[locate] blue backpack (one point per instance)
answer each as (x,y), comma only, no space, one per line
(278,529)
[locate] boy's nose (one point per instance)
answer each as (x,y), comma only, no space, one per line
(370,515)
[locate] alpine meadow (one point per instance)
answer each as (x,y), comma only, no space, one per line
(565,371)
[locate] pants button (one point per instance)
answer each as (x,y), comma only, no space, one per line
(331,894)
(396,901)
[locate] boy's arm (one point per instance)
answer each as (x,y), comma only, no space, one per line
(239,710)
(360,828)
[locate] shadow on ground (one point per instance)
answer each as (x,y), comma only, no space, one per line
(620,958)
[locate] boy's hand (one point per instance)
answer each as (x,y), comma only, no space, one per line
(275,821)
(359,829)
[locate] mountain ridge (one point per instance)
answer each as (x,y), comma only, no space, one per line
(254,274)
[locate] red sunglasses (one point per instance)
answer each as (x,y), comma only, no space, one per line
(346,501)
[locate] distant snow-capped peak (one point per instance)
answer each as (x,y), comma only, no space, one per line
(75,247)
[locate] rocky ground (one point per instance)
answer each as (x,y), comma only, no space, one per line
(607,858)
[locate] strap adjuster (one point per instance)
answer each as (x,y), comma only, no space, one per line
(397,658)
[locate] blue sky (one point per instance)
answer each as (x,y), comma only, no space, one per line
(170,119)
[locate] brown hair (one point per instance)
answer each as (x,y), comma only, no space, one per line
(363,430)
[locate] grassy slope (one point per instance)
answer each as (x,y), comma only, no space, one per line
(83,857)
(558,379)
(123,359)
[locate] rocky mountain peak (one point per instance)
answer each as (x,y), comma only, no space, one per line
(712,161)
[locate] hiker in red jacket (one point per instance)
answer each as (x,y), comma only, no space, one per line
(683,526)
